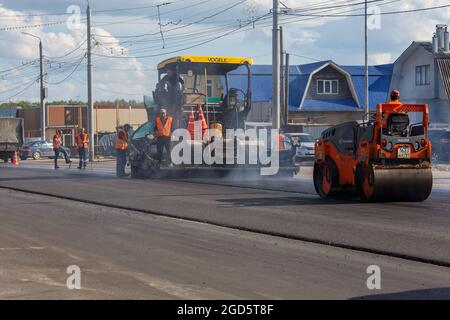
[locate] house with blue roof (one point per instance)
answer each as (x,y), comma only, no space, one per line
(422,74)
(319,93)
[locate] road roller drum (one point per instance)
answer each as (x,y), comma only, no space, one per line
(395,184)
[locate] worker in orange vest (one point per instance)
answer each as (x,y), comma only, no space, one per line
(83,147)
(122,149)
(163,132)
(58,149)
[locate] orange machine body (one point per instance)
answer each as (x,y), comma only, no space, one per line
(349,156)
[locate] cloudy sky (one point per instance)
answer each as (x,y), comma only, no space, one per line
(128,38)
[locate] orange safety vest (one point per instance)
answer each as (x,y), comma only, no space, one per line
(280,146)
(82,141)
(163,131)
(57,141)
(394,102)
(122,140)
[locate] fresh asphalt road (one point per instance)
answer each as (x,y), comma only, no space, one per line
(209,238)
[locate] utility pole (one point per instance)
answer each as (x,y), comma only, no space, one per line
(286,90)
(282,77)
(366,49)
(90,106)
(275,67)
(42,87)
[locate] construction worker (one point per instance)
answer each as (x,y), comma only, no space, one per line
(395,97)
(83,147)
(171,81)
(57,142)
(122,149)
(174,85)
(163,132)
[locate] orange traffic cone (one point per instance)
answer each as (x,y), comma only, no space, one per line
(15,160)
(191,123)
(201,118)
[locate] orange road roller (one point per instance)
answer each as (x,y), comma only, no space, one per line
(385,158)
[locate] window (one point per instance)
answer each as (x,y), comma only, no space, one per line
(306,138)
(209,85)
(327,86)
(423,75)
(143,130)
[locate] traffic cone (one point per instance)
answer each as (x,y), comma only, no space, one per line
(15,160)
(191,123)
(201,118)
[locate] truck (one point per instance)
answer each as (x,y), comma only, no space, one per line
(11,137)
(201,92)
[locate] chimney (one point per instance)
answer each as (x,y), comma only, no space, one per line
(440,35)
(435,43)
(446,41)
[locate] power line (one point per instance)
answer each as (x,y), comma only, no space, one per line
(24,15)
(304,57)
(201,20)
(19,67)
(20,92)
(192,23)
(128,9)
(286,20)
(21,75)
(184,40)
(146,17)
(70,74)
(178,50)
(32,26)
(334,6)
(234,30)
(70,52)
(381,13)
(126,69)
(19,85)
(70,13)
(210,16)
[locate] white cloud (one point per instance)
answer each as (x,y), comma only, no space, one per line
(128,77)
(304,37)
(380,58)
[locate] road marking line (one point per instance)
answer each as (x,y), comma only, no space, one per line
(28,248)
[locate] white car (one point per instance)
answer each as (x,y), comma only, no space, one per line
(306,148)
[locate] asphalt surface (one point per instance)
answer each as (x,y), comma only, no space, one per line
(202,237)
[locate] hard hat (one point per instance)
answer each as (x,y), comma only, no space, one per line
(395,95)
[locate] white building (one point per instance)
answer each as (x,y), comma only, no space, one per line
(422,74)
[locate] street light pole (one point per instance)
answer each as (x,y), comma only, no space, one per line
(90,106)
(42,87)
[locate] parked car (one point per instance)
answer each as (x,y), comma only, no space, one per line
(306,149)
(38,150)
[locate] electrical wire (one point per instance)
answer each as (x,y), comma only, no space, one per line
(78,47)
(20,92)
(70,74)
